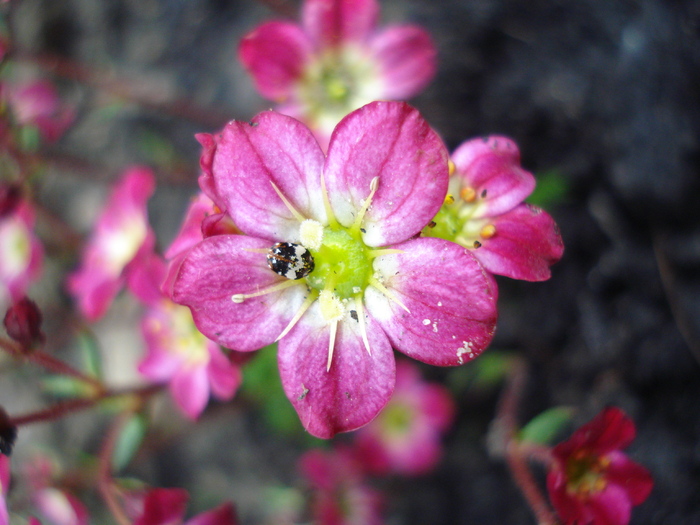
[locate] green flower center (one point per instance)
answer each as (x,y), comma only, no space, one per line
(343,264)
(586,474)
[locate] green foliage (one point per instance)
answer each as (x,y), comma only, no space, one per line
(129,441)
(484,373)
(544,428)
(552,188)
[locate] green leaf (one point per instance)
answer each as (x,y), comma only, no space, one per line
(129,441)
(92,357)
(65,386)
(545,427)
(552,188)
(486,372)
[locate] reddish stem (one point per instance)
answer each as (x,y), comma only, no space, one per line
(505,430)
(105,483)
(50,363)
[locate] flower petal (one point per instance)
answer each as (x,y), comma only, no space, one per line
(330,23)
(247,158)
(358,384)
(451,299)
(407,60)
(634,478)
(221,266)
(224,514)
(526,244)
(611,506)
(224,376)
(491,166)
(275,54)
(389,140)
(190,390)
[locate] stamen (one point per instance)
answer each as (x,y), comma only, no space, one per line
(311,234)
(373,185)
(331,344)
(305,306)
(379,286)
(359,307)
(451,168)
(298,216)
(332,222)
(488,231)
(468,194)
(240,297)
(332,308)
(449,199)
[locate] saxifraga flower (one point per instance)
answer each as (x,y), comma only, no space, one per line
(351,278)
(591,482)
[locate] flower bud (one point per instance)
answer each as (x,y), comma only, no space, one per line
(23,323)
(10,195)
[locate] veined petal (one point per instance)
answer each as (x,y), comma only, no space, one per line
(249,157)
(330,23)
(451,299)
(389,140)
(275,54)
(491,166)
(406,57)
(526,244)
(356,387)
(221,266)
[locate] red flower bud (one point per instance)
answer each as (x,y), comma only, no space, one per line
(23,323)
(10,195)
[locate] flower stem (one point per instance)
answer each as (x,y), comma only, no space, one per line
(105,483)
(504,439)
(50,363)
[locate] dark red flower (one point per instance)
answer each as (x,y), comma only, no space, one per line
(23,323)
(591,482)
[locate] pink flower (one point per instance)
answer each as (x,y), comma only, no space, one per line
(178,353)
(591,482)
(329,264)
(59,507)
(488,216)
(336,61)
(167,507)
(121,239)
(21,253)
(38,104)
(340,495)
(405,437)
(4,486)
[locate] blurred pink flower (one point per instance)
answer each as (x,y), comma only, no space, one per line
(488,215)
(121,239)
(591,482)
(336,61)
(405,437)
(38,104)
(21,253)
(167,507)
(340,496)
(177,353)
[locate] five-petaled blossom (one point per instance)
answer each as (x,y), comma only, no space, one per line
(330,264)
(591,482)
(405,437)
(177,353)
(485,213)
(336,61)
(121,240)
(161,506)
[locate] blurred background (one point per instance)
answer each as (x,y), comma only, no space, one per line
(602,98)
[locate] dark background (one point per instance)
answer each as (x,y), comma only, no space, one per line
(600,95)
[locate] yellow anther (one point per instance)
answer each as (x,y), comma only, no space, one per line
(449,199)
(468,194)
(488,231)
(451,167)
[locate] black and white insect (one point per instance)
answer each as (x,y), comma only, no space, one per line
(290,260)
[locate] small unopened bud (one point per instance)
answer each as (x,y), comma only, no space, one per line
(10,195)
(23,323)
